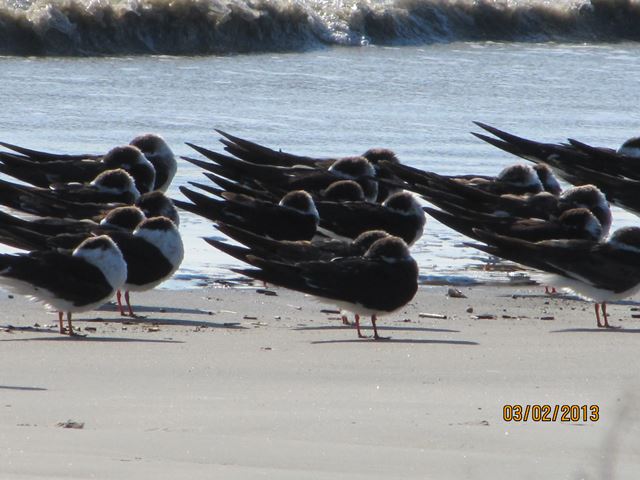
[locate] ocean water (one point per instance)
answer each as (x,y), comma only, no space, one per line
(564,72)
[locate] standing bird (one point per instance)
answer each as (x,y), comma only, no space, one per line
(320,248)
(67,282)
(381,281)
(153,253)
(600,271)
(152,248)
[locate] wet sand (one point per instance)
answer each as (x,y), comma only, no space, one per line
(230,383)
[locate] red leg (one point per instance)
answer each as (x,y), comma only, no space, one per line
(69,323)
(126,297)
(374,318)
(60,322)
(605,315)
(360,335)
(119,299)
(345,320)
(597,309)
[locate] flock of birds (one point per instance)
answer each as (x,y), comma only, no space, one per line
(97,225)
(336,228)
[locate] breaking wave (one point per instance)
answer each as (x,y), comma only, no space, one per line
(198,27)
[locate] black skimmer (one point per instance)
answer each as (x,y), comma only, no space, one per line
(343,191)
(339,191)
(157,204)
(576,223)
(319,248)
(256,153)
(67,282)
(50,233)
(591,198)
(158,152)
(564,157)
(223,185)
(153,251)
(295,217)
(153,146)
(598,271)
(309,179)
(153,204)
(541,205)
(456,197)
(46,174)
(622,192)
(123,217)
(272,194)
(517,179)
(381,281)
(400,215)
(110,189)
(548,180)
(259,154)
(616,173)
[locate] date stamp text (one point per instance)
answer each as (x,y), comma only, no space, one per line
(550,413)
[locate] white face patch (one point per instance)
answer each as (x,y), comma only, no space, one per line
(551,183)
(168,242)
(108,260)
(164,158)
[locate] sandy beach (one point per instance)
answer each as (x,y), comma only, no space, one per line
(231,383)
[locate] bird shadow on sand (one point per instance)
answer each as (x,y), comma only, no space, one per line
(567,296)
(597,330)
(425,341)
(87,338)
(23,389)
(396,328)
(112,307)
(181,322)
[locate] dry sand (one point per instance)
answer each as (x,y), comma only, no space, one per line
(229,383)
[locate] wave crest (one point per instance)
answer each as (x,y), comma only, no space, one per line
(192,27)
